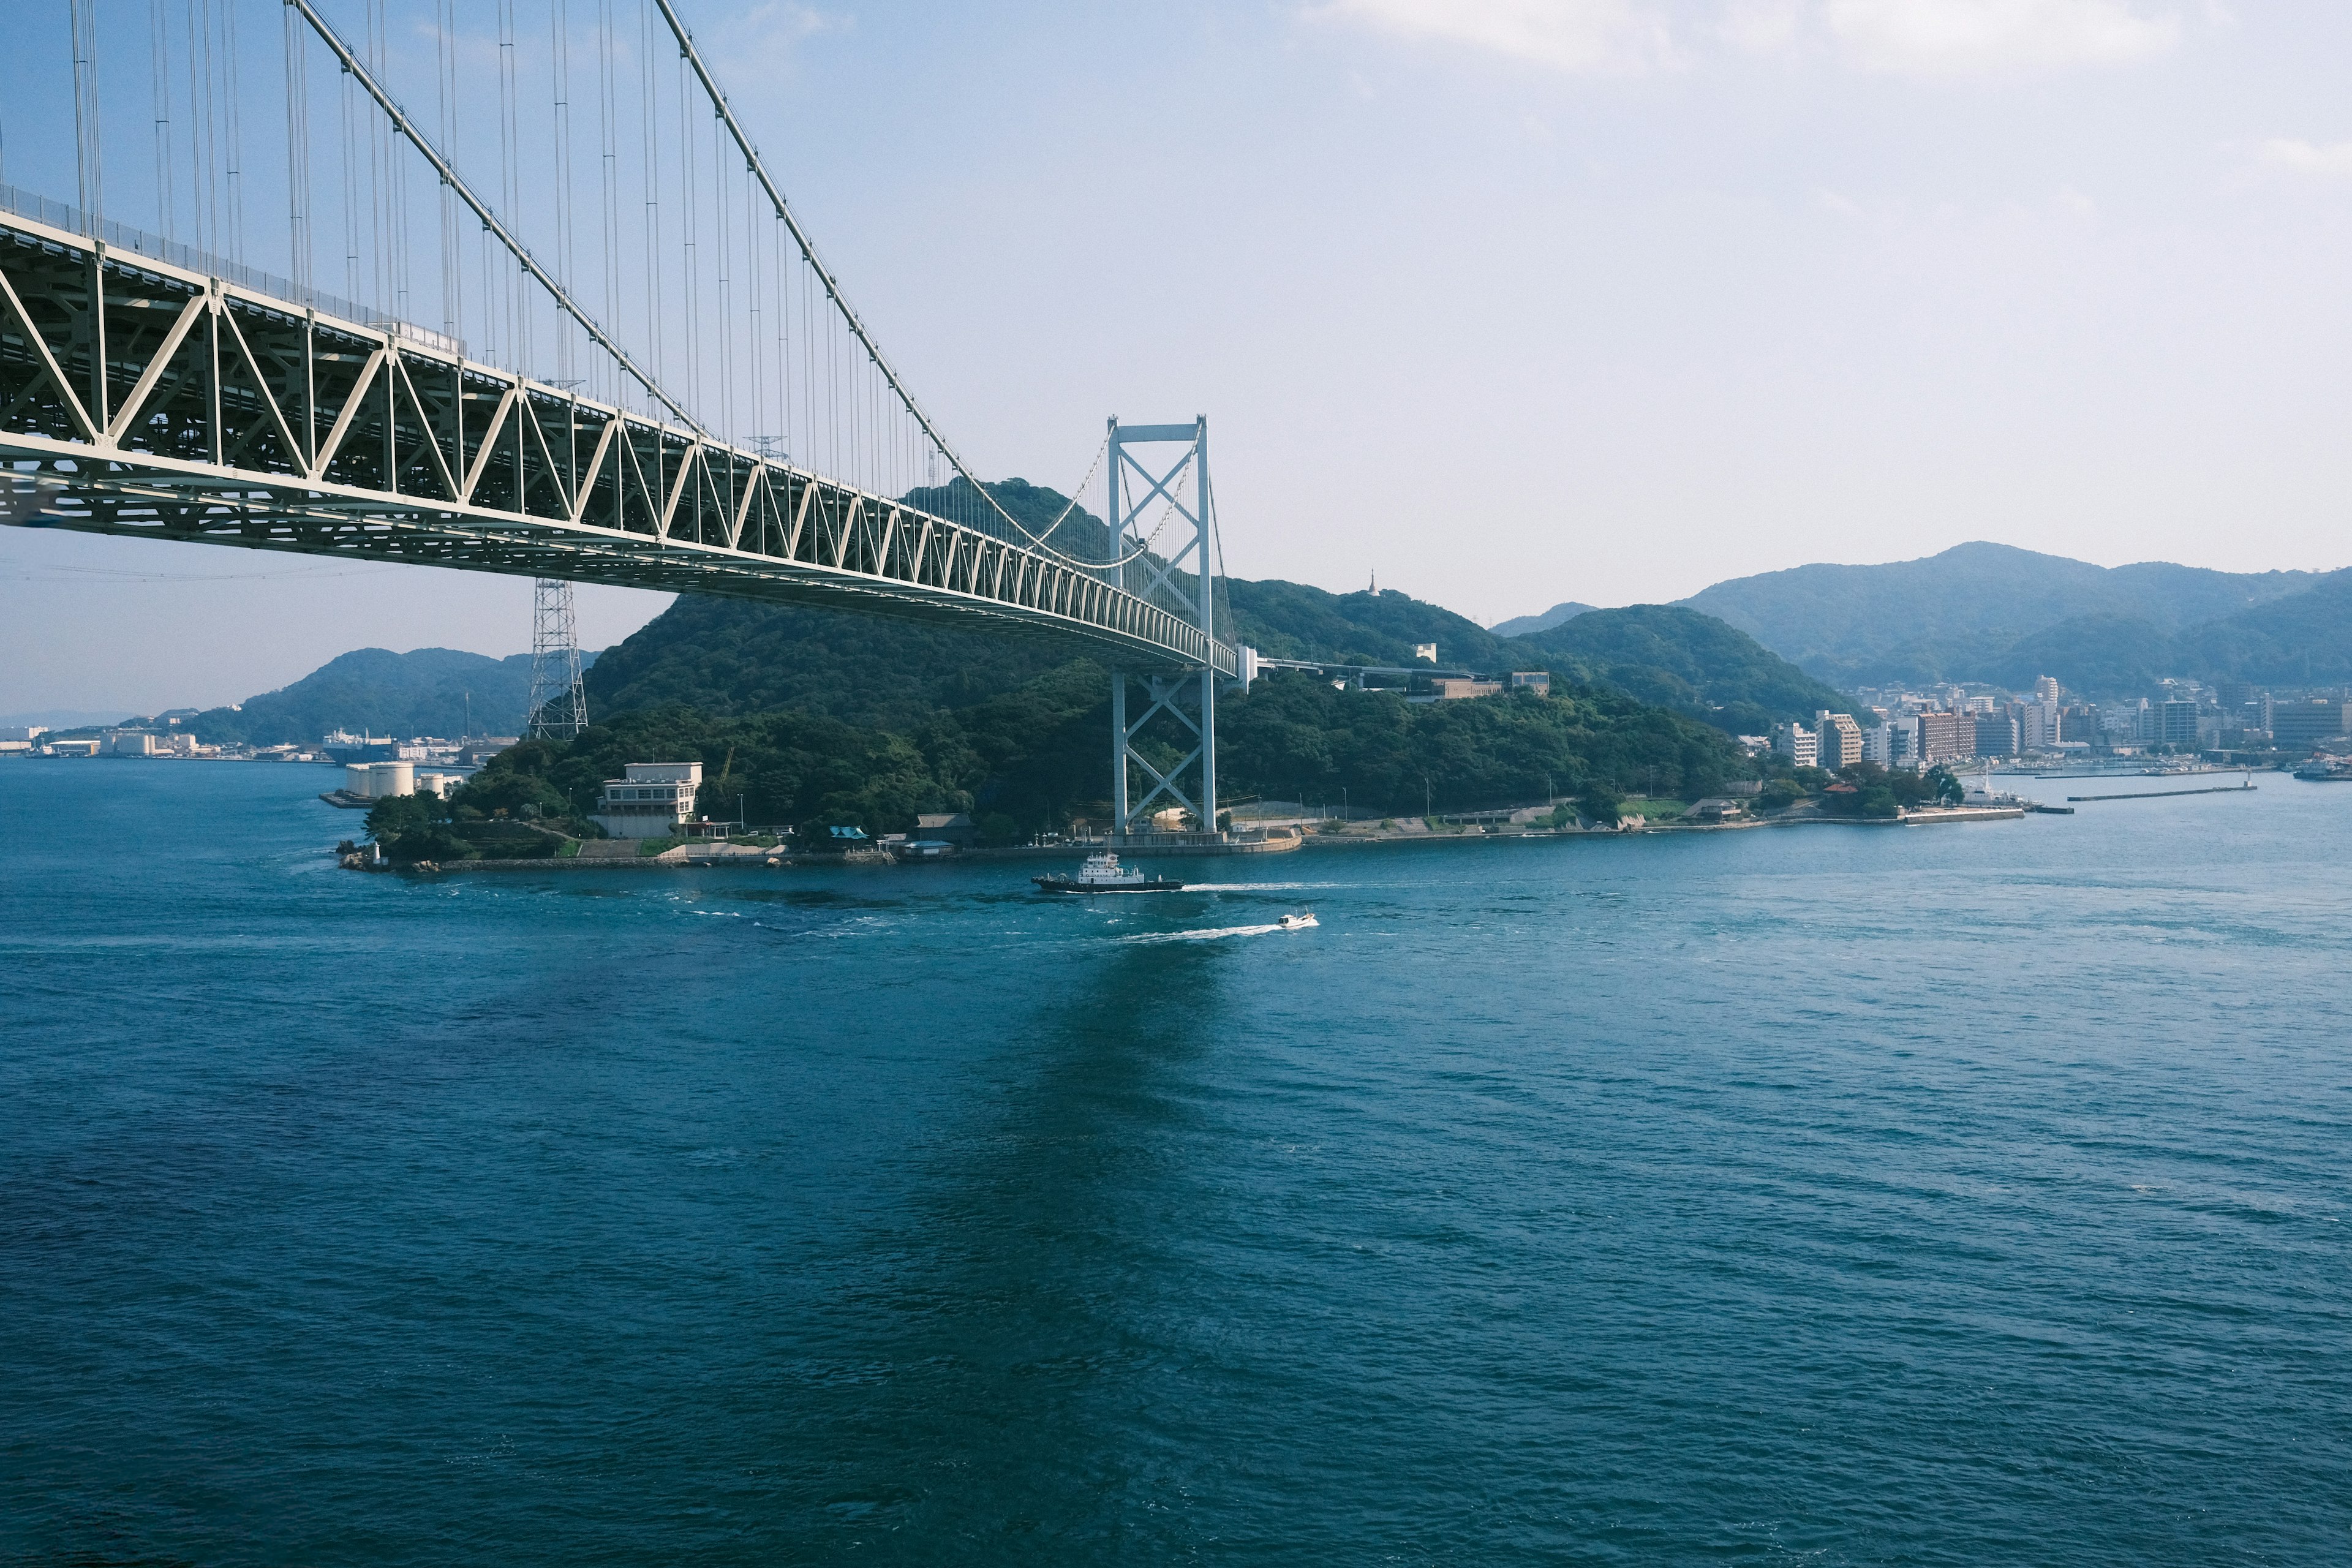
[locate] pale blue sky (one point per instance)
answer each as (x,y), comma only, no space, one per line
(1514,301)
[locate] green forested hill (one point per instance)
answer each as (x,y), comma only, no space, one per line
(734,656)
(1034,758)
(822,714)
(1291,620)
(1679,658)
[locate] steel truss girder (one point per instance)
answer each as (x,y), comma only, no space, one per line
(139,398)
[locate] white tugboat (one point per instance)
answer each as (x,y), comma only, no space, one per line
(1102,874)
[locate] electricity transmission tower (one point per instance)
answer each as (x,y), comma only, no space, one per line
(559,707)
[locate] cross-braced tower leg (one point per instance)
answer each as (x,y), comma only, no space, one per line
(1189,784)
(1170,561)
(559,707)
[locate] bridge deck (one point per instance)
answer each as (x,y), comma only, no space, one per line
(145,397)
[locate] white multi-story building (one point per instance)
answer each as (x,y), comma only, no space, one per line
(1892,745)
(650,802)
(1797,743)
(2037,724)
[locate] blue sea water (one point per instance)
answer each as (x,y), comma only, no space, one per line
(1957,1195)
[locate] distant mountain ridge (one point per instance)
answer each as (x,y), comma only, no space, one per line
(1528,626)
(1984,612)
(425,692)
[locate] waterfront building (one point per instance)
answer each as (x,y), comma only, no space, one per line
(1944,736)
(1878,744)
(946,827)
(2176,722)
(1995,735)
(650,801)
(2300,726)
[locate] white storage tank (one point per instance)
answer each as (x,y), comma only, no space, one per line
(355,779)
(390,778)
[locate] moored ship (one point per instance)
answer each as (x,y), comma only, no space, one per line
(2326,770)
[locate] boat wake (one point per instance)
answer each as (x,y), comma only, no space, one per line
(1217,933)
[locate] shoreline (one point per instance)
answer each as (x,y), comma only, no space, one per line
(674,860)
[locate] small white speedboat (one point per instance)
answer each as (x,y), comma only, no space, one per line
(1297,922)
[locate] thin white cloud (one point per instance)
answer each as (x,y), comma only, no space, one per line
(1968,37)
(767,37)
(1578,35)
(2332,160)
(1762,27)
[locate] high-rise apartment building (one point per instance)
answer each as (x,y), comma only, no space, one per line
(1839,739)
(1943,737)
(2045,688)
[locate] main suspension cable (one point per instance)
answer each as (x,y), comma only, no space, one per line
(490,218)
(842,309)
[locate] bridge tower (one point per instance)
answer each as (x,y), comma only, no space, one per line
(1179,574)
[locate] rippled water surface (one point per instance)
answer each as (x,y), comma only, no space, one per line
(1952,1196)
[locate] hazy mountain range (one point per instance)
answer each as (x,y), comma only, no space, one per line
(1741,655)
(426,691)
(1993,613)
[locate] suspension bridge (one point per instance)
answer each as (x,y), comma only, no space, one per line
(671,392)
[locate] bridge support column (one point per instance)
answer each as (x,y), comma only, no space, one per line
(1169,561)
(1119,737)
(1208,750)
(1181,786)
